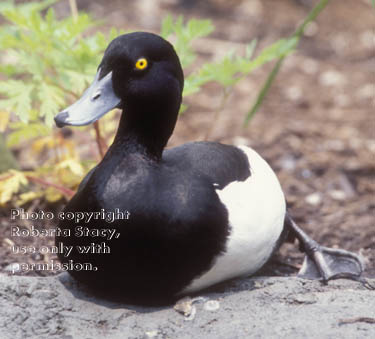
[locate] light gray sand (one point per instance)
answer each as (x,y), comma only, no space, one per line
(261,307)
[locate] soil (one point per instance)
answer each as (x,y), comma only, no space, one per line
(316,127)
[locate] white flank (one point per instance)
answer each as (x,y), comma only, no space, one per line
(256,209)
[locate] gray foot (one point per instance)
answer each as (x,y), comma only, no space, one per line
(325,263)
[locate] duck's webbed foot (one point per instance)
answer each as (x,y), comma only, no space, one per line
(322,262)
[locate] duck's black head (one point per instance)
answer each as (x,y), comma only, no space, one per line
(140,73)
(143,65)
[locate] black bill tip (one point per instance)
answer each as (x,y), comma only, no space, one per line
(61,118)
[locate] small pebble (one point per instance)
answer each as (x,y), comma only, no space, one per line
(211,305)
(184,306)
(8,242)
(314,199)
(37,256)
(288,163)
(367,91)
(367,39)
(151,334)
(44,294)
(371,145)
(13,268)
(337,195)
(191,316)
(293,93)
(340,43)
(332,78)
(334,145)
(258,284)
(306,173)
(342,100)
(310,66)
(311,29)
(239,141)
(304,299)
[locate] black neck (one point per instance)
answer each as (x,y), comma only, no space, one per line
(147,128)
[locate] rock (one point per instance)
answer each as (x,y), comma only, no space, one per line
(184,306)
(309,66)
(337,195)
(293,93)
(12,268)
(57,307)
(311,29)
(367,91)
(332,78)
(151,334)
(367,39)
(288,163)
(314,199)
(211,305)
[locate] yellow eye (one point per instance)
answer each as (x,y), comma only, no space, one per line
(141,63)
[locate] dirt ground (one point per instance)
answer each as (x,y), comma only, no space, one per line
(316,127)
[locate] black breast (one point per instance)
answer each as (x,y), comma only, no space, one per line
(177,225)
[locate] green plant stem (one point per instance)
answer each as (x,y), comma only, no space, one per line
(310,17)
(264,90)
(272,75)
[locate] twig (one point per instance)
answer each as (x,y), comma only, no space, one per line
(357,320)
(99,140)
(5,177)
(73,9)
(66,191)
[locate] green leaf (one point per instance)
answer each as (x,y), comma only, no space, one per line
(167,26)
(38,5)
(11,185)
(73,165)
(183,108)
(50,18)
(19,96)
(25,132)
(223,72)
(76,81)
(52,99)
(184,35)
(198,28)
(277,50)
(193,83)
(6,5)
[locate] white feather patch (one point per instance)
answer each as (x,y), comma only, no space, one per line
(256,209)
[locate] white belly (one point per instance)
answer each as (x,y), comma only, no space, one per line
(256,209)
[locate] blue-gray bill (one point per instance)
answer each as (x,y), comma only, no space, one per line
(96,101)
